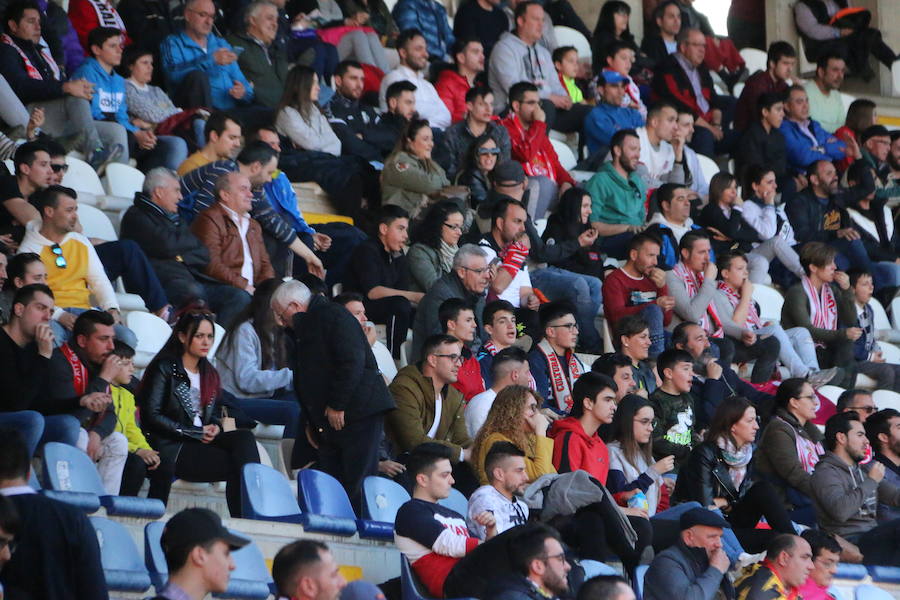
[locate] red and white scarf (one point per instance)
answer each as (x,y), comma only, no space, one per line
(493,350)
(79,371)
(538,164)
(561,382)
(107,15)
(753,320)
(30,69)
(710,321)
(822,307)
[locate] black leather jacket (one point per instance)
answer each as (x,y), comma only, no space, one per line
(706,476)
(167,415)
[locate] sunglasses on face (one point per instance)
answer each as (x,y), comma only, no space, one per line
(59,168)
(60,259)
(484,151)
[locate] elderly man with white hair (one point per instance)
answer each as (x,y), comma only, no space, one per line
(264,60)
(338,384)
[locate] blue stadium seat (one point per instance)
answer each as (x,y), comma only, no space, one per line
(639,574)
(324,503)
(153,555)
(456,501)
(885,574)
(409,583)
(122,565)
(382,498)
(850,571)
(870,592)
(73,478)
(250,579)
(267,496)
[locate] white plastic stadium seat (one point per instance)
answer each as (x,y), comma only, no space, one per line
(220,333)
(770,302)
(832,392)
(96,224)
(385,361)
(890,353)
(123,180)
(881,319)
(755,59)
(895,312)
(152,333)
(708,166)
(886,399)
(10,165)
(566,36)
(81,177)
(566,156)
(737,89)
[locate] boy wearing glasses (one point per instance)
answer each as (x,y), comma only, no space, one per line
(866,351)
(553,362)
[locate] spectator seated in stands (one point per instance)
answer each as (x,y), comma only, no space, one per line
(201,68)
(826,554)
(617,367)
(357,125)
(180,403)
(468,279)
(540,567)
(453,85)
(378,271)
(78,383)
(548,34)
(662,150)
(876,147)
(866,351)
(477,121)
(430,18)
(527,126)
(74,270)
(618,195)
(883,431)
(696,566)
(518,57)
(570,222)
(434,538)
(861,114)
(824,92)
(870,217)
(57,553)
(307,569)
(222,133)
(698,184)
(780,62)
(742,323)
(720,473)
(799,131)
(639,288)
(429,408)
(264,60)
(763,146)
(823,303)
(507,480)
(143,462)
(824,31)
(672,222)
(109,105)
(786,567)
(516,417)
(26,347)
(553,363)
(315,150)
(682,79)
(675,433)
(196,544)
(619,57)
(501,330)
(482,20)
(565,61)
(411,178)
(632,339)
(457,319)
(413,53)
(436,242)
(32,173)
(846,497)
(609,116)
(37,80)
(861,402)
(659,45)
(477,171)
(508,367)
(254,366)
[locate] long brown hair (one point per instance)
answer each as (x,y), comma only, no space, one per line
(623,429)
(298,91)
(730,411)
(506,417)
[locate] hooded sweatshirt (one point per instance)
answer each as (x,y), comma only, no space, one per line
(512,61)
(846,499)
(109,93)
(574,449)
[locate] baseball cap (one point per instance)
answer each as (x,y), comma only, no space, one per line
(508,171)
(702,516)
(196,526)
(613,77)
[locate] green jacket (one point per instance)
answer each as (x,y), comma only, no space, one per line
(408,424)
(796,313)
(616,201)
(266,76)
(407,181)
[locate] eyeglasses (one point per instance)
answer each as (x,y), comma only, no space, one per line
(813,398)
(569,326)
(453,226)
(645,422)
(483,151)
(560,557)
(453,357)
(59,168)
(867,409)
(60,259)
(477,271)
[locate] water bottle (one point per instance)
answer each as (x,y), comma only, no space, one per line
(639,500)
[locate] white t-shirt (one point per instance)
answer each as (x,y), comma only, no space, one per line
(195,396)
(522,278)
(477,411)
(659,160)
(507,514)
(438,407)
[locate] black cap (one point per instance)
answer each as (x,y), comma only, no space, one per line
(509,171)
(702,516)
(872,131)
(196,526)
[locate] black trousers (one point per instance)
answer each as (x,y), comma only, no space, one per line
(136,471)
(725,348)
(220,460)
(761,500)
(351,454)
(881,545)
(839,354)
(182,288)
(395,313)
(764,352)
(193,91)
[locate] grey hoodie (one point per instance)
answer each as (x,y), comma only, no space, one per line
(512,61)
(846,498)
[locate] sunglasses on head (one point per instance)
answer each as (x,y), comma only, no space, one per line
(60,259)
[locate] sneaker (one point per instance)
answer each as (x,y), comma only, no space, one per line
(825,376)
(101,157)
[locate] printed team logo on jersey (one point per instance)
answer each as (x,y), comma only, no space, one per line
(454,524)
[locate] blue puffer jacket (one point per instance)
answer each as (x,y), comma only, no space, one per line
(800,149)
(430,18)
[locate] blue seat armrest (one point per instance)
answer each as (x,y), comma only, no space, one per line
(378,530)
(327,524)
(86,501)
(882,574)
(133,506)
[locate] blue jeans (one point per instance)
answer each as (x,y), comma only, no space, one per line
(582,291)
(281,410)
(654,317)
(61,334)
(125,259)
(730,543)
(37,430)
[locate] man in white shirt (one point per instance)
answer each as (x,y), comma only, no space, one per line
(509,367)
(413,54)
(505,468)
(662,152)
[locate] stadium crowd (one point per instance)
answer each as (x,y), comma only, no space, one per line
(474,288)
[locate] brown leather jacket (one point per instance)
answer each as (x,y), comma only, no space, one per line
(220,235)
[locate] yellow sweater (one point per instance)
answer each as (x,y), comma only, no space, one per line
(123,400)
(538,456)
(69,285)
(194,161)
